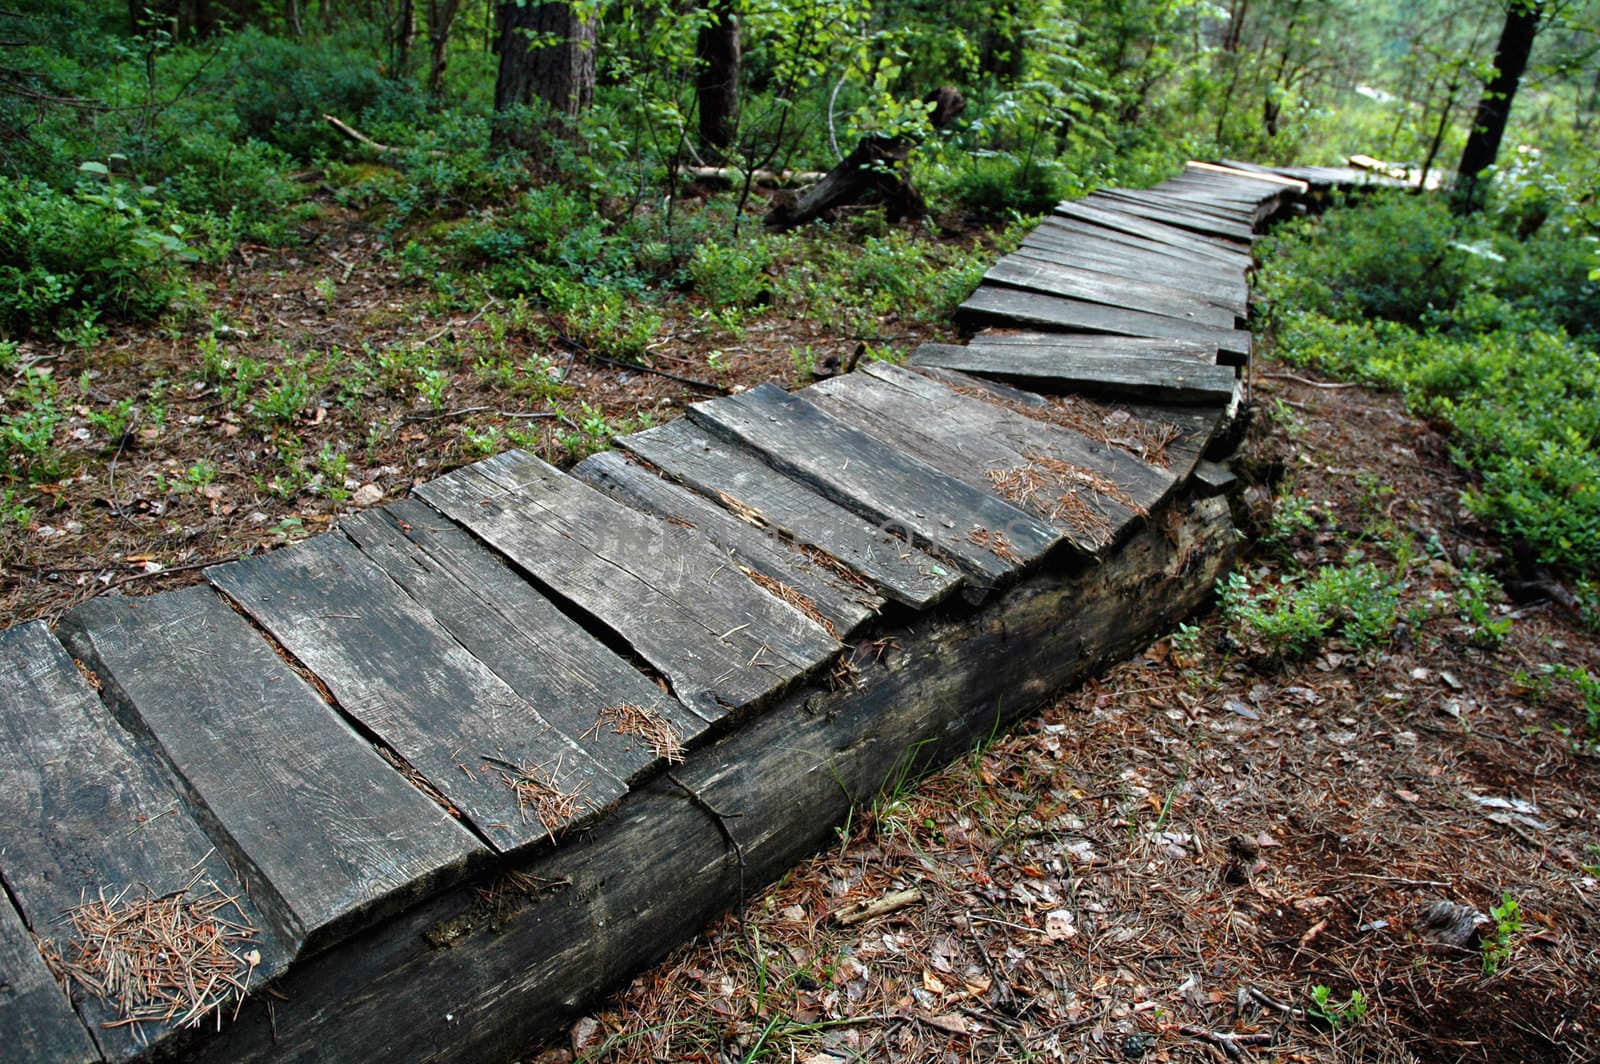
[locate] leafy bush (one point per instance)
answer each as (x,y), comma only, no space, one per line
(284,87)
(1491,362)
(1292,618)
(107,250)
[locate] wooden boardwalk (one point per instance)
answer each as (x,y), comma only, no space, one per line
(417,787)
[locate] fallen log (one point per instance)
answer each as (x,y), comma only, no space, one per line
(876,171)
(482,971)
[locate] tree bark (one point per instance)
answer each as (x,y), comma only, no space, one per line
(1494,106)
(546,53)
(718,53)
(441,15)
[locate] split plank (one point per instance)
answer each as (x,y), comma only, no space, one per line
(987,445)
(1075,232)
(746,484)
(1171,266)
(1160,233)
(1183,198)
(1188,218)
(1151,378)
(1123,292)
(992,303)
(1100,343)
(1232,295)
(544,656)
(722,642)
(335,836)
(37,1024)
(88,814)
(406,680)
(842,606)
(1171,437)
(881,483)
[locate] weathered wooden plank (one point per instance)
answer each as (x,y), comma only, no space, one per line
(722,642)
(652,875)
(991,303)
(335,837)
(1204,216)
(1191,218)
(1072,232)
(1100,343)
(1250,173)
(746,484)
(1172,437)
(406,680)
(1151,378)
(1155,231)
(1232,295)
(1089,490)
(1127,293)
(879,482)
(1213,479)
(1178,196)
(88,814)
(1171,265)
(37,1024)
(840,606)
(544,656)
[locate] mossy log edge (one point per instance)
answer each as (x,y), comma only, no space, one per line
(483,971)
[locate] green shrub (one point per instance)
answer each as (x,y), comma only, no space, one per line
(996,185)
(1292,618)
(107,250)
(284,87)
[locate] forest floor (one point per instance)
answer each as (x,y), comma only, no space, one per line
(1169,862)
(317,380)
(1163,866)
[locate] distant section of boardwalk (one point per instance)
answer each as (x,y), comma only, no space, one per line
(420,787)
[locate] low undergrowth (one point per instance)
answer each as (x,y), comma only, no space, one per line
(1492,335)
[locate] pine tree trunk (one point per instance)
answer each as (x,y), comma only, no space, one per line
(1494,106)
(546,53)
(441,16)
(718,50)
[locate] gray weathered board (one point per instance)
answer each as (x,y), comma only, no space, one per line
(37,1023)
(406,680)
(543,655)
(989,446)
(1107,249)
(679,602)
(842,607)
(1161,378)
(1165,435)
(1229,295)
(90,814)
(1156,232)
(1021,272)
(334,836)
(991,304)
(748,486)
(881,483)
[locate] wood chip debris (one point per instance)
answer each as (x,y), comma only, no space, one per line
(178,959)
(995,542)
(641,722)
(805,604)
(540,793)
(870,908)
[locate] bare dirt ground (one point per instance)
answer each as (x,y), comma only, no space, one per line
(318,380)
(1169,863)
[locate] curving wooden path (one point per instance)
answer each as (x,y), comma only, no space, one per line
(474,757)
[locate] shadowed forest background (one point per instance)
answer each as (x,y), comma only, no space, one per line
(267,260)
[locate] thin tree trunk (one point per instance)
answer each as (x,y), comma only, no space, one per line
(441,15)
(719,54)
(1494,106)
(405,37)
